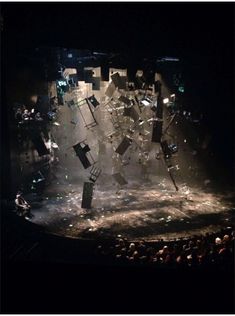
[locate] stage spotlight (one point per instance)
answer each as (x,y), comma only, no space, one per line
(165,101)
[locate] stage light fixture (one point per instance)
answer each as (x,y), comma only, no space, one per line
(165,101)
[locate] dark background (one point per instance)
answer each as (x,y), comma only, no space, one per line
(202,35)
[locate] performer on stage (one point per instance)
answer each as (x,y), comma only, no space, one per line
(22,207)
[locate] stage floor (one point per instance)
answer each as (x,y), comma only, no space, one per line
(140,211)
(148,207)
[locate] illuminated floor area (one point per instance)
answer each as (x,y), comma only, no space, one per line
(143,211)
(120,143)
(148,207)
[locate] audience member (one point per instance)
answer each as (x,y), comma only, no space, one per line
(199,251)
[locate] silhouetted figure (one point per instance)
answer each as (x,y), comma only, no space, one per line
(22,207)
